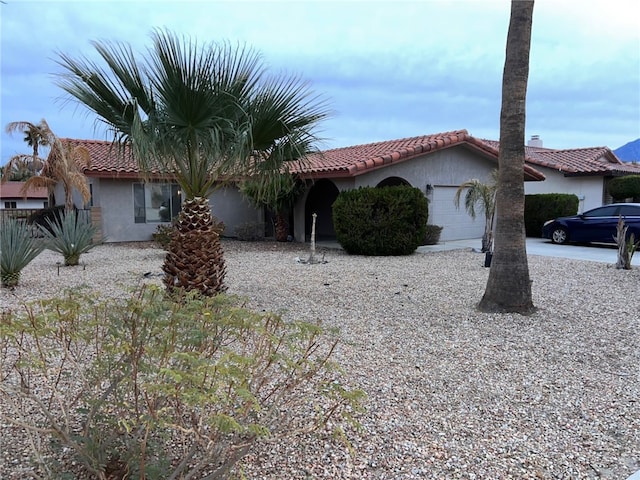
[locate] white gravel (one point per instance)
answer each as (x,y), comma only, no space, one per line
(453,393)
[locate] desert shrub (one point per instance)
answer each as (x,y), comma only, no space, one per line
(45,216)
(70,236)
(17,249)
(432,235)
(162,235)
(144,387)
(380,221)
(250,231)
(621,188)
(541,207)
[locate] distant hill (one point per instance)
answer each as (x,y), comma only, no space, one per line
(630,152)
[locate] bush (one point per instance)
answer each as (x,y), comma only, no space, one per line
(17,249)
(432,235)
(621,188)
(70,236)
(380,221)
(149,388)
(44,217)
(546,206)
(250,231)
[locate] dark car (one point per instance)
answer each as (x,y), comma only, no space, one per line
(597,225)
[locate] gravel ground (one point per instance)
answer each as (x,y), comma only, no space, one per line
(453,393)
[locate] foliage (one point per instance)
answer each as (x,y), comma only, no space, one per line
(70,236)
(432,235)
(627,245)
(541,207)
(621,188)
(22,167)
(43,216)
(144,387)
(483,196)
(17,249)
(380,221)
(250,231)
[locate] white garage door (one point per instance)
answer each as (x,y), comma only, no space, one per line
(456,223)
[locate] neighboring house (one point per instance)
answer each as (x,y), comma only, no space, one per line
(584,172)
(11,197)
(131,209)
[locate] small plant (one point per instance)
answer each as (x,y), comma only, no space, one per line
(432,235)
(162,235)
(627,245)
(250,231)
(17,249)
(149,388)
(70,236)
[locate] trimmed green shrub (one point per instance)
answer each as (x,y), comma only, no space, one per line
(144,387)
(546,206)
(621,188)
(432,235)
(381,221)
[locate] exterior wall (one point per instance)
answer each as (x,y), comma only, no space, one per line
(115,198)
(29,203)
(590,190)
(443,171)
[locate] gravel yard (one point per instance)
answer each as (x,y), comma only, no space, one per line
(452,393)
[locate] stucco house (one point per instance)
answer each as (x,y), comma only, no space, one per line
(582,171)
(11,197)
(130,209)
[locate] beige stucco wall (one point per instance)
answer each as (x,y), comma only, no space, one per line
(588,189)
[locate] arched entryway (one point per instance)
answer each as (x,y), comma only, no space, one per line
(393,182)
(319,200)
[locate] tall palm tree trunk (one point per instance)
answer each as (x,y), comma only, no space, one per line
(195,258)
(509,286)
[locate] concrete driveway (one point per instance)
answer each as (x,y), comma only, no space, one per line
(540,246)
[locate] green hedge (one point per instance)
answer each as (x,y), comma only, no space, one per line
(381,221)
(547,206)
(621,188)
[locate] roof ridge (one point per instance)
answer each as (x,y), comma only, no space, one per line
(382,142)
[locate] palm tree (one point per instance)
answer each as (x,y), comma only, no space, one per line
(201,113)
(509,285)
(21,166)
(63,166)
(483,195)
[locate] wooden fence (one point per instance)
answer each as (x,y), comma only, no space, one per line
(25,215)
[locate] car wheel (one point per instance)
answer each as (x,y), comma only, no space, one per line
(559,235)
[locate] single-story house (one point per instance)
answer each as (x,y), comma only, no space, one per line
(582,171)
(11,197)
(131,210)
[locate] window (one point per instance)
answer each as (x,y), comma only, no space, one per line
(608,211)
(155,202)
(10,204)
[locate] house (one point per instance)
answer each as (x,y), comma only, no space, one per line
(11,197)
(131,210)
(582,171)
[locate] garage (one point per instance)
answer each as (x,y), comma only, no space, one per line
(456,223)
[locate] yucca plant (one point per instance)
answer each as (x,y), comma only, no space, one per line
(70,236)
(17,249)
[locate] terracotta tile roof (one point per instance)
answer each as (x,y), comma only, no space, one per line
(338,162)
(358,159)
(577,161)
(12,190)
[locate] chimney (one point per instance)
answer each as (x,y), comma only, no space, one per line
(535,141)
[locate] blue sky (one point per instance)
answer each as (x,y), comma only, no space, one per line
(389,69)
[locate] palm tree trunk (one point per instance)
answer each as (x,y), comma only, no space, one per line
(509,286)
(281,227)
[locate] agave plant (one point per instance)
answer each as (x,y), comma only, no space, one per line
(17,249)
(70,236)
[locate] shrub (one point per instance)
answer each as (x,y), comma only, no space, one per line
(380,221)
(71,237)
(621,188)
(43,217)
(17,249)
(546,206)
(250,231)
(162,235)
(149,388)
(432,235)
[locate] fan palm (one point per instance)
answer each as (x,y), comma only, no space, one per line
(22,166)
(483,196)
(202,113)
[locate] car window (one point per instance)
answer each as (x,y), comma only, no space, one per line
(608,211)
(629,210)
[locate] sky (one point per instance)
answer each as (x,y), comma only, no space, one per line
(389,69)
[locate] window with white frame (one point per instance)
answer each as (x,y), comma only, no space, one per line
(155,202)
(10,204)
